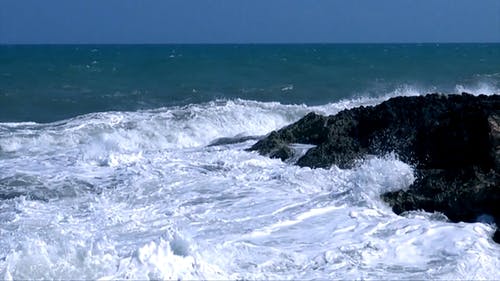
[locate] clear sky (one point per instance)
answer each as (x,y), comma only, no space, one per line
(248,21)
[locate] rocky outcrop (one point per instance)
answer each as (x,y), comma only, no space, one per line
(452,140)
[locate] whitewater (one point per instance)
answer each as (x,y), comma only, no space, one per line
(156,194)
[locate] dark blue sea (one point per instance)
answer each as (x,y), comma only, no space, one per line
(107,169)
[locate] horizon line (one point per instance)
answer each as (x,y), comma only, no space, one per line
(254,43)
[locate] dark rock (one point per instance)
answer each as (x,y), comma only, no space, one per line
(496,236)
(426,130)
(232,140)
(494,126)
(461,194)
(452,140)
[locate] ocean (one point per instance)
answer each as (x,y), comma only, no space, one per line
(130,162)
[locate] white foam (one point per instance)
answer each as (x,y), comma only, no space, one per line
(479,89)
(157,260)
(99,259)
(139,195)
(366,100)
(287,223)
(100,138)
(176,127)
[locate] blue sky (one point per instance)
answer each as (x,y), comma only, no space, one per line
(256,21)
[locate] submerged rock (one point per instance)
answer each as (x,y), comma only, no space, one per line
(452,140)
(233,140)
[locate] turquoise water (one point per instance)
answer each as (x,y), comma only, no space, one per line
(48,83)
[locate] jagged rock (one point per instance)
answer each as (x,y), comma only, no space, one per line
(452,140)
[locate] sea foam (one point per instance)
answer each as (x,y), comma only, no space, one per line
(142,195)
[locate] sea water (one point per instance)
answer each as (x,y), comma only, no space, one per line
(112,164)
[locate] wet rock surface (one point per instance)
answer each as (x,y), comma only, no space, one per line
(452,140)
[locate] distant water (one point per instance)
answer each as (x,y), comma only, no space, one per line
(49,83)
(107,172)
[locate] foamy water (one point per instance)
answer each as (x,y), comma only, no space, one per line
(142,195)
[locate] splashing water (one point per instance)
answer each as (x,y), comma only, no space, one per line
(142,195)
